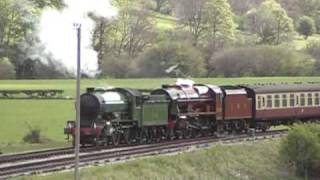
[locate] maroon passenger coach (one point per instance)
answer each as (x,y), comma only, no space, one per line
(284,103)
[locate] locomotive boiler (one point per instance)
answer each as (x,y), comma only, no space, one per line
(111,116)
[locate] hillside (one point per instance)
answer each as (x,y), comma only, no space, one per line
(165,38)
(252,160)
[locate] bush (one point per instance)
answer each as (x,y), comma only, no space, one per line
(34,136)
(306,26)
(7,70)
(261,61)
(300,150)
(171,59)
(117,67)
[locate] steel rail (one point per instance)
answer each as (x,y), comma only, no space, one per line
(104,156)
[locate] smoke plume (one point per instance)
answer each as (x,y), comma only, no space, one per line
(58,34)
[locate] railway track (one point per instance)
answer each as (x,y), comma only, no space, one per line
(42,163)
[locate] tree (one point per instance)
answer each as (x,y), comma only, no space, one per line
(128,34)
(270,22)
(306,26)
(16,21)
(190,14)
(317,22)
(219,23)
(171,59)
(309,7)
(6,69)
(162,6)
(313,48)
(240,8)
(41,4)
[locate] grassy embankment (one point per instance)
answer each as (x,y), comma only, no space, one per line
(51,115)
(258,160)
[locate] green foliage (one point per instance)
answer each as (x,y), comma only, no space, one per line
(270,22)
(129,33)
(117,66)
(16,21)
(261,61)
(301,150)
(208,21)
(48,3)
(309,7)
(163,6)
(171,59)
(306,26)
(220,26)
(313,48)
(7,70)
(317,22)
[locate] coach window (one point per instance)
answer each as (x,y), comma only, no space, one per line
(277,101)
(302,100)
(284,100)
(309,99)
(292,100)
(316,99)
(269,101)
(259,102)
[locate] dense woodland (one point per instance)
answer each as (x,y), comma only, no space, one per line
(175,38)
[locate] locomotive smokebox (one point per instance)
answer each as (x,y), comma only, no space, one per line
(89,106)
(97,103)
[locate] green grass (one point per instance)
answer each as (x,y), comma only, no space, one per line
(164,22)
(51,115)
(243,161)
(301,43)
(69,85)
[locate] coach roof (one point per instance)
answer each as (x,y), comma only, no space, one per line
(275,88)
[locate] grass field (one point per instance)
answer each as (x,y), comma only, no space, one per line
(51,115)
(258,160)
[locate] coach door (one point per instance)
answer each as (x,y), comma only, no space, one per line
(297,105)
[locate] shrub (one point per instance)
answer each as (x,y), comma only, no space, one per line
(300,150)
(117,66)
(34,136)
(7,70)
(306,26)
(261,61)
(171,59)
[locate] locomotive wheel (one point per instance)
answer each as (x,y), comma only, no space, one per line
(115,138)
(188,133)
(142,137)
(127,136)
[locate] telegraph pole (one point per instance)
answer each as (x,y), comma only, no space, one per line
(77,131)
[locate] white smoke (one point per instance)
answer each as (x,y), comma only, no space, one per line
(59,35)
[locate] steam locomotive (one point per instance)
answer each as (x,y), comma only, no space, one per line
(126,116)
